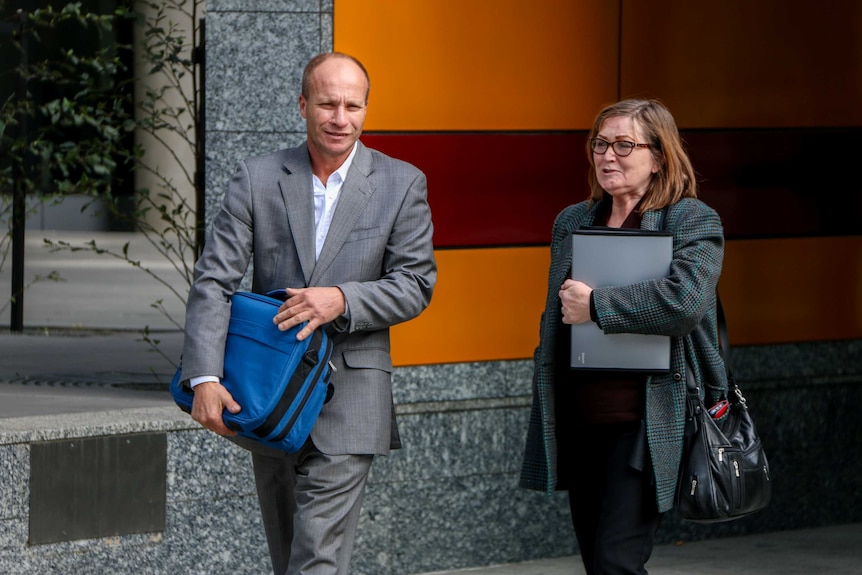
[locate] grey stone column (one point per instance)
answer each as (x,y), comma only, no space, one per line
(255,55)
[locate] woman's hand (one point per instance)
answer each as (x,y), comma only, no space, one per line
(575,297)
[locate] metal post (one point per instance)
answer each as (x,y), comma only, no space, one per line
(19,204)
(200,60)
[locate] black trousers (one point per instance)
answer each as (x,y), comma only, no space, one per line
(611,497)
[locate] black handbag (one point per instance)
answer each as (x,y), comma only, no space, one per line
(724,474)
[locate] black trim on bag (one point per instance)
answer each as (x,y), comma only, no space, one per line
(294,386)
(289,427)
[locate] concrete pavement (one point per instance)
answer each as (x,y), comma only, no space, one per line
(83,347)
(833,550)
(83,351)
(79,372)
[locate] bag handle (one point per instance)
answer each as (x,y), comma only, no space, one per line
(723,343)
(280,294)
(723,340)
(733,391)
(734,394)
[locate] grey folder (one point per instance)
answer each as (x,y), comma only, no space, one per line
(611,257)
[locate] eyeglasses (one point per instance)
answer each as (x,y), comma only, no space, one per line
(621,147)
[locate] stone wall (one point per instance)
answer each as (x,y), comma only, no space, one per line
(449,498)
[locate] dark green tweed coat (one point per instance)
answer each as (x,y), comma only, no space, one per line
(683,306)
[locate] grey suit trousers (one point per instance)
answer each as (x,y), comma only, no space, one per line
(310,504)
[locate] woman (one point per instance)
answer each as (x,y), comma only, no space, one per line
(613,440)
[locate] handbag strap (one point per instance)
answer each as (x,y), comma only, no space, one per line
(734,394)
(723,340)
(723,345)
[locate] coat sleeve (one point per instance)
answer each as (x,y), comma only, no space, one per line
(218,273)
(406,282)
(674,305)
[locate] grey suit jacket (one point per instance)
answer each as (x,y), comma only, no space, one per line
(378,251)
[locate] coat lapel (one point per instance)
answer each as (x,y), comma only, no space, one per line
(296,192)
(354,197)
(652,220)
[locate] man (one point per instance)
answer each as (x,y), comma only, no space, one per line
(347,230)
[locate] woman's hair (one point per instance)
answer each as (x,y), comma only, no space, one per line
(675,178)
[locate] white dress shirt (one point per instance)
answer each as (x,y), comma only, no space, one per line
(325,199)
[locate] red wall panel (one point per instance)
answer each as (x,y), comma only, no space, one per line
(489,189)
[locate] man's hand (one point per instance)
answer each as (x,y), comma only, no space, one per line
(316,305)
(211,399)
(575,297)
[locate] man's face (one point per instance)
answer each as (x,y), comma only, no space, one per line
(334,111)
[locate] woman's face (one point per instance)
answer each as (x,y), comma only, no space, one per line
(628,175)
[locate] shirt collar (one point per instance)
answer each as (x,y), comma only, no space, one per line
(341,174)
(343,168)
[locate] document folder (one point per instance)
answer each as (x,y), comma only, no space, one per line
(604,257)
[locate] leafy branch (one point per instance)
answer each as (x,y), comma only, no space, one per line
(165,121)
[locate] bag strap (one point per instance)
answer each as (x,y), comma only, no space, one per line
(734,394)
(733,391)
(723,340)
(723,345)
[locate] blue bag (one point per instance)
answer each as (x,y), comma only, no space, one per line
(281,383)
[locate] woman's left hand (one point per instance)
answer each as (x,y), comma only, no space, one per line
(575,297)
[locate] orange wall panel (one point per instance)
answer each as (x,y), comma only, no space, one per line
(791,290)
(486,306)
(738,63)
(488,302)
(482,64)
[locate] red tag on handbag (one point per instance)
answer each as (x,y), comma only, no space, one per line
(719,409)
